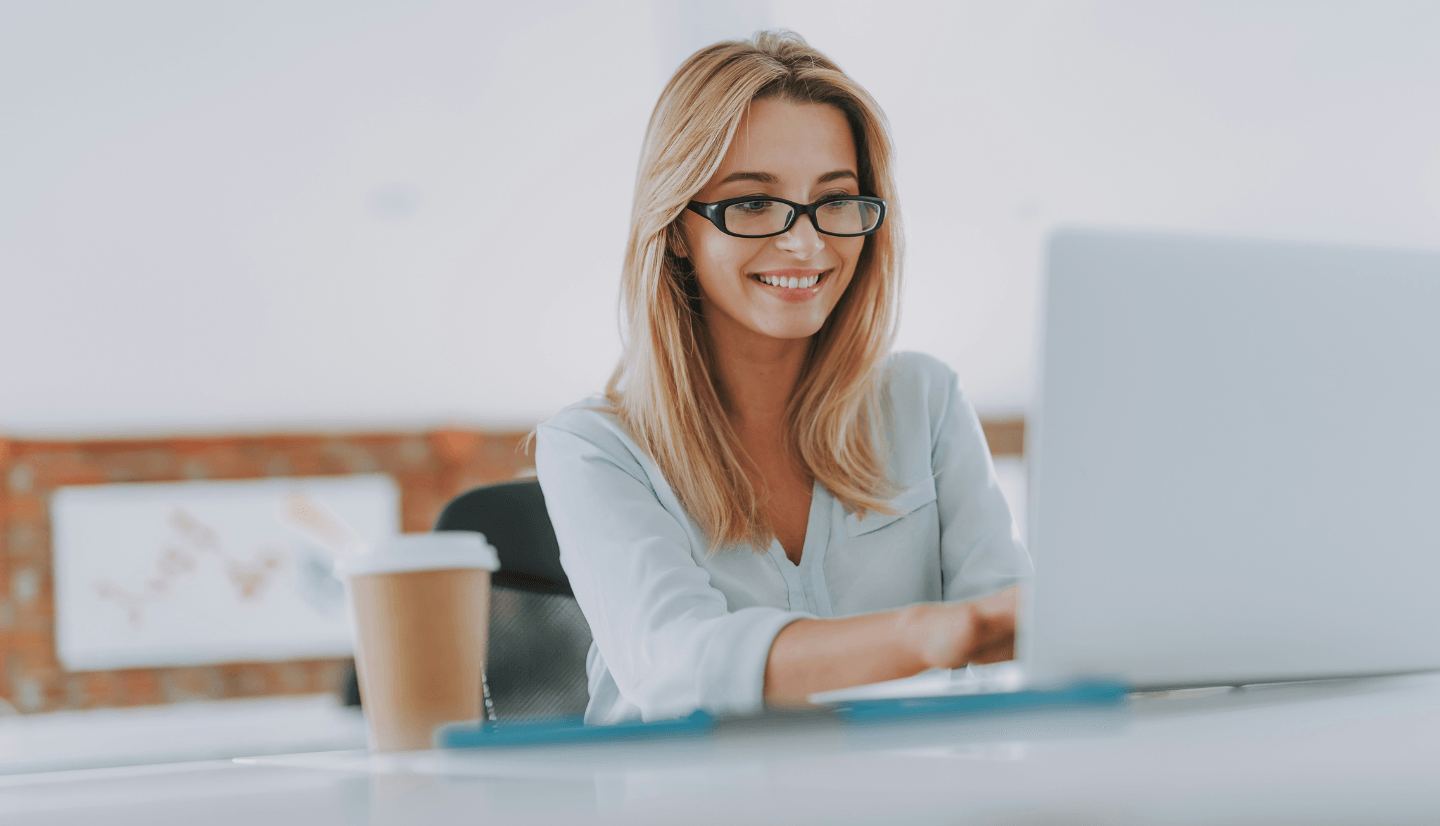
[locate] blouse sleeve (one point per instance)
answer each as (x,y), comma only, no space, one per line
(980,548)
(668,638)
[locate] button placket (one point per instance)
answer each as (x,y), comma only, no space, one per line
(812,561)
(794,588)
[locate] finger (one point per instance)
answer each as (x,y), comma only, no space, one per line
(999,652)
(996,625)
(993,640)
(1001,623)
(997,608)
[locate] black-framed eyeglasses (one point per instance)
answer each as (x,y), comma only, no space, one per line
(761,216)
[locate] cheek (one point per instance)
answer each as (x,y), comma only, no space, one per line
(849,254)
(716,253)
(720,264)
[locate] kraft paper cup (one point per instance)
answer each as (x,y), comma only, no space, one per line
(420,606)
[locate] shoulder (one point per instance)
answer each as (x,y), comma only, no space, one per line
(590,428)
(926,411)
(917,372)
(593,416)
(919,385)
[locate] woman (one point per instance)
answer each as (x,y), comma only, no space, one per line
(766,503)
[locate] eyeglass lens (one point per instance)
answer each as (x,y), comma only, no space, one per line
(769,217)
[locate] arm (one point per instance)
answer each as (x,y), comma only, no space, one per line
(812,655)
(667,637)
(979,555)
(980,549)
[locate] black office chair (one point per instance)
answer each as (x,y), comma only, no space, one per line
(535,665)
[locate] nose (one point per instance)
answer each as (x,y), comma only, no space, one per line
(801,240)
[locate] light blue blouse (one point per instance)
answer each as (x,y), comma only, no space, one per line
(677,629)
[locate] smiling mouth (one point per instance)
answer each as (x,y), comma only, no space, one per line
(787,283)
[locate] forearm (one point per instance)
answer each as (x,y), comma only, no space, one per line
(823,654)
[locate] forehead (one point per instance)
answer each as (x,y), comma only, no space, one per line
(796,142)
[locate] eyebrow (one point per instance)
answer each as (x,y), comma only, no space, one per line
(758,177)
(767,178)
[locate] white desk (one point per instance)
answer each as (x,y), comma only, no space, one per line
(180,732)
(1354,752)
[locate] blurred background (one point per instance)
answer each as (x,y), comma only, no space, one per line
(287,240)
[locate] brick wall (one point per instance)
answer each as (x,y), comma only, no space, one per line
(429,468)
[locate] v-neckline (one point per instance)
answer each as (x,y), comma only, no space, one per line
(805,583)
(811,518)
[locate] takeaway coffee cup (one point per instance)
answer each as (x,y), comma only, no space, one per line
(421,605)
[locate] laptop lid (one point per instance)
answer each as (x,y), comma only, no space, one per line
(1235,466)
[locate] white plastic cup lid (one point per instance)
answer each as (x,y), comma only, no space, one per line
(423,552)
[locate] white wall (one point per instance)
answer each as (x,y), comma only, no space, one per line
(251,216)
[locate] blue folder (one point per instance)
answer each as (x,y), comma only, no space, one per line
(564,730)
(573,729)
(1081,693)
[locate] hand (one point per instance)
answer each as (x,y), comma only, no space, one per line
(950,635)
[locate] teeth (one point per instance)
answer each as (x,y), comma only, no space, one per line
(790,283)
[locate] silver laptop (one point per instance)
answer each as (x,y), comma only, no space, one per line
(1234,467)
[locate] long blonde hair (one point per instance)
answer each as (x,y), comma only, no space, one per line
(663,389)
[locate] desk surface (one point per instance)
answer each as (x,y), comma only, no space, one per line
(1364,751)
(182,732)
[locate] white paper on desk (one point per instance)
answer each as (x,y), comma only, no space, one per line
(937,682)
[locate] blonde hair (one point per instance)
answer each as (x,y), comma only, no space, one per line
(663,389)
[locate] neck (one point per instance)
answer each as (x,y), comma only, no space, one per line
(756,376)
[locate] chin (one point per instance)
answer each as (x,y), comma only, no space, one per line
(792,329)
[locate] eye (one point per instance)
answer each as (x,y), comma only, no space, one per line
(753,206)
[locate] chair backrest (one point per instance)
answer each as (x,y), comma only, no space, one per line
(535,664)
(513,517)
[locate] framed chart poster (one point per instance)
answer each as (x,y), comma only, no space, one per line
(195,573)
